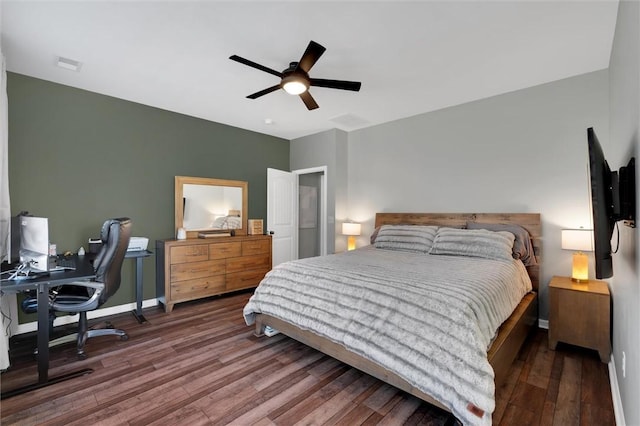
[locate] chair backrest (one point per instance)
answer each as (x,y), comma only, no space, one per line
(115,236)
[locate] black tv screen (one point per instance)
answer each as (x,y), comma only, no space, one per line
(602,205)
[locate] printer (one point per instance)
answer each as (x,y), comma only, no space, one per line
(135,244)
(138,243)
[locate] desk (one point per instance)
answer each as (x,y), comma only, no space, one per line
(84,271)
(139,256)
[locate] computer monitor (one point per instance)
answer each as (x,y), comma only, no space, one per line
(34,242)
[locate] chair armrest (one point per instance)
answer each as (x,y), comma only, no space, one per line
(87,305)
(89,284)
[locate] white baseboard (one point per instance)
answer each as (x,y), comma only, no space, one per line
(615,393)
(98,313)
(542,323)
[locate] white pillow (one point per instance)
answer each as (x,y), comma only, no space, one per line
(474,243)
(415,238)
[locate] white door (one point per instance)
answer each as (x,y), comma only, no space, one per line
(282,218)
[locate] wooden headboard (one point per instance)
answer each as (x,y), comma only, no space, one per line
(529,221)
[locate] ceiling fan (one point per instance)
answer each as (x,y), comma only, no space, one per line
(295,79)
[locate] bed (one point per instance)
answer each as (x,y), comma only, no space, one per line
(390,367)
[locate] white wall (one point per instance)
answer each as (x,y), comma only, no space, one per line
(624,142)
(326,149)
(524,151)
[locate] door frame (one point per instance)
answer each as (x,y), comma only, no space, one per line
(323,204)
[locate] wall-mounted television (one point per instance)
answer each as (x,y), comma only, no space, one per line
(613,199)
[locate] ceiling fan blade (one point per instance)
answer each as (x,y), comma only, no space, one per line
(310,56)
(264,92)
(336,84)
(308,100)
(255,65)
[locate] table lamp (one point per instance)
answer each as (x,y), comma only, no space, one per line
(579,240)
(352,230)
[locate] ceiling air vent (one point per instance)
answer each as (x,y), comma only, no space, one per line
(350,121)
(68,64)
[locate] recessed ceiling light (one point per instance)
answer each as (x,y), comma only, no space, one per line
(268,121)
(68,64)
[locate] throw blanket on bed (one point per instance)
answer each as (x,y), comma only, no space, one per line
(427,318)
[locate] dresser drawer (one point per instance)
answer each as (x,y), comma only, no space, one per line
(245,279)
(195,289)
(238,264)
(184,254)
(224,250)
(193,270)
(255,247)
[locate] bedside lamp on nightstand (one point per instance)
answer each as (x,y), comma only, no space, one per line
(352,230)
(579,240)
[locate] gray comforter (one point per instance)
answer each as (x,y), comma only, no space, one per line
(427,318)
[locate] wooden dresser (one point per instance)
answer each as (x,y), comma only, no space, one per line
(195,268)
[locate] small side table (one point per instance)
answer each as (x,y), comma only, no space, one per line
(580,314)
(138,255)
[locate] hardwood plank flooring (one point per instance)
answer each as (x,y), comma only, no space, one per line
(201,365)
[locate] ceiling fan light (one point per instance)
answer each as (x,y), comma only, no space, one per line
(294,87)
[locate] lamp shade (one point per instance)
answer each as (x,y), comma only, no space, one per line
(350,228)
(577,239)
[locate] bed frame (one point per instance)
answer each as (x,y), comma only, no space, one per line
(511,334)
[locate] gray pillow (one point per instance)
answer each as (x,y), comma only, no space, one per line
(522,247)
(415,238)
(373,237)
(474,243)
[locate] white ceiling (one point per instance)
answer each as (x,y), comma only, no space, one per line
(411,57)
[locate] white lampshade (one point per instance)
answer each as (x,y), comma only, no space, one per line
(577,239)
(350,228)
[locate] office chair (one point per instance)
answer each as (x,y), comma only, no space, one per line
(83,296)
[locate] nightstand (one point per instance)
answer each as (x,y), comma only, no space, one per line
(580,314)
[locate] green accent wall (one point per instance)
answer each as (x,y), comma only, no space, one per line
(78,158)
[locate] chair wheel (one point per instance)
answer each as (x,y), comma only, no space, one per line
(108,325)
(124,337)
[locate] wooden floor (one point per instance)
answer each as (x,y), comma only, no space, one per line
(201,364)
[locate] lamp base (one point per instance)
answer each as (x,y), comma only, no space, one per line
(579,280)
(580,270)
(351,242)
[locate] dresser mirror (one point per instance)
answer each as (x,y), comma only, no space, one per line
(204,205)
